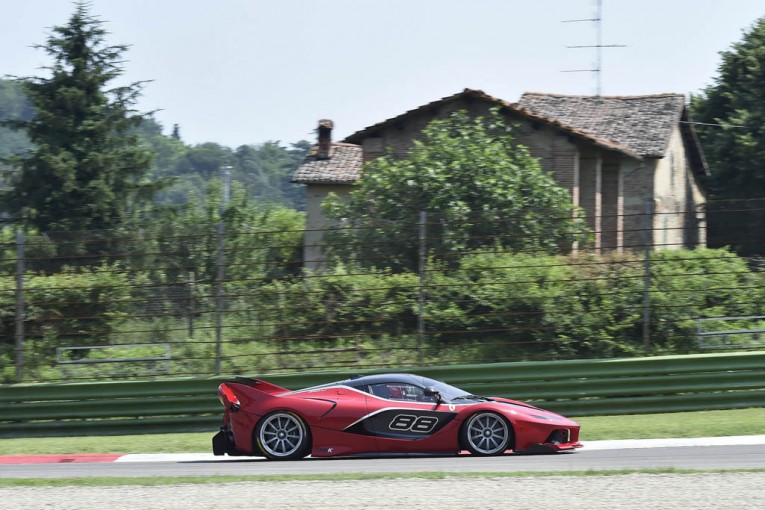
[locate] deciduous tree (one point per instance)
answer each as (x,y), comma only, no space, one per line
(731,127)
(477,185)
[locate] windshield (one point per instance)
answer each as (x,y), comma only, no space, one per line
(447,391)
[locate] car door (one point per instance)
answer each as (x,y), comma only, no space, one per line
(404,420)
(342,430)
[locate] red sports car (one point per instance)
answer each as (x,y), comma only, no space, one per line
(381,414)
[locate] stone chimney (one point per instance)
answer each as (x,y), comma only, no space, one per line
(325,138)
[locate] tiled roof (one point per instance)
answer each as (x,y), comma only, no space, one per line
(637,126)
(358,136)
(342,167)
(640,123)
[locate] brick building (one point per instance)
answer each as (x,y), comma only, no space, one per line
(632,163)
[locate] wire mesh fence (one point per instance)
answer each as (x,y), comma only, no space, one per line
(230,299)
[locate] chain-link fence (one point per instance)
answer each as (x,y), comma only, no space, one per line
(227,299)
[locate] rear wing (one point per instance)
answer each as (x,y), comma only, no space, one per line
(260,385)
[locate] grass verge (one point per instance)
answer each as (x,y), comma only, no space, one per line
(735,422)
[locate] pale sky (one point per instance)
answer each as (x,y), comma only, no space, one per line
(247,71)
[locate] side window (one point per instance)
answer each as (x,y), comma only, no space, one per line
(379,390)
(399,391)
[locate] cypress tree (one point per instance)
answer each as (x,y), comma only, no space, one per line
(88,169)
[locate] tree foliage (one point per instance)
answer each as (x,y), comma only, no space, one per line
(731,113)
(87,170)
(478,187)
(167,150)
(92,150)
(14,105)
(267,169)
(734,105)
(263,169)
(262,240)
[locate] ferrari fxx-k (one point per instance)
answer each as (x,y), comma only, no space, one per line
(381,414)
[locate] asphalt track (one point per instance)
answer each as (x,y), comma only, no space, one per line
(741,452)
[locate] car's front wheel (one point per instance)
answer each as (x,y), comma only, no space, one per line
(283,435)
(486,433)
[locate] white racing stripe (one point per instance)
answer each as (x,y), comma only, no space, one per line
(621,444)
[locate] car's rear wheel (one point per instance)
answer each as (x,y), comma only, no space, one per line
(283,435)
(486,434)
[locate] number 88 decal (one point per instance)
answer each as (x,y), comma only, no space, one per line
(410,422)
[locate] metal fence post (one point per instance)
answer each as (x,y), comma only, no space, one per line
(421,293)
(20,306)
(647,276)
(192,302)
(220,302)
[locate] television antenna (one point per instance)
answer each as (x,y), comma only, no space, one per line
(598,46)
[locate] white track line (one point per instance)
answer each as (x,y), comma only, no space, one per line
(624,444)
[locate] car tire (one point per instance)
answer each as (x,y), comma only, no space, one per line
(283,435)
(486,433)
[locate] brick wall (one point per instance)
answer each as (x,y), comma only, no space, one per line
(612,201)
(638,190)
